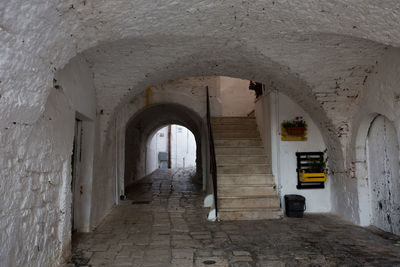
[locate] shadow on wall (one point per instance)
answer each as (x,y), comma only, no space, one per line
(140,132)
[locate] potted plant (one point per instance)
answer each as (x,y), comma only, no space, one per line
(296,127)
(316,170)
(316,165)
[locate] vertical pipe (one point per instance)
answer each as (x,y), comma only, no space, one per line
(278,150)
(156,151)
(148,96)
(169,146)
(116,166)
(176,146)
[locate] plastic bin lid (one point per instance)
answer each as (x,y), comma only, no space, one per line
(294,197)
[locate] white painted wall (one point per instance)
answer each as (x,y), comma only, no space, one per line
(263,113)
(183,148)
(380,97)
(76,81)
(35,205)
(37,41)
(236,98)
(278,108)
(158,143)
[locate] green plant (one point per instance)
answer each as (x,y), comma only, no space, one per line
(316,164)
(297,122)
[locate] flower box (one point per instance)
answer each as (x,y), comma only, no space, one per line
(312,177)
(296,131)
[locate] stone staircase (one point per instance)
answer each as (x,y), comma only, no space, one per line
(245,180)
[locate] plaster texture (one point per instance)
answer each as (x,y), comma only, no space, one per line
(338,60)
(283,153)
(379,97)
(235,96)
(36,177)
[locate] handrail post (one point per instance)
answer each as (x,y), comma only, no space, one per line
(213,161)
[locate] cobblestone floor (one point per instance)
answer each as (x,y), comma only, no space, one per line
(172,231)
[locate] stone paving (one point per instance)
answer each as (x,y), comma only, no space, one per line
(172,230)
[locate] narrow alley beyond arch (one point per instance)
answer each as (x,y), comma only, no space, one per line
(171,230)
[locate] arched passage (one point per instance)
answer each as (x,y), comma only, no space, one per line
(171,146)
(143,124)
(40,38)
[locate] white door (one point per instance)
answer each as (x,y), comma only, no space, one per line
(383,169)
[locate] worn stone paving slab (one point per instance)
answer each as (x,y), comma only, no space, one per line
(172,230)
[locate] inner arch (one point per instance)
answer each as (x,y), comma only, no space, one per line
(143,124)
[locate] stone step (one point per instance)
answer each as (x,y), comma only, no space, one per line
(249,214)
(249,179)
(239,151)
(245,190)
(236,135)
(245,183)
(244,169)
(251,142)
(268,202)
(242,131)
(233,120)
(234,127)
(225,159)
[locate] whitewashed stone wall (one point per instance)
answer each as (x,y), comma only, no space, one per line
(378,98)
(35,218)
(76,81)
(318,53)
(274,108)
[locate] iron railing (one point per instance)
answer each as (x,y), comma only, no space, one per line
(213,161)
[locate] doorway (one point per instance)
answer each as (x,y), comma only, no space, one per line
(383,167)
(76,160)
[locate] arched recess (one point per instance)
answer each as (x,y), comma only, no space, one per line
(244,63)
(383,171)
(361,169)
(144,122)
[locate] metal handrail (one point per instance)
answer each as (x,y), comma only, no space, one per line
(213,161)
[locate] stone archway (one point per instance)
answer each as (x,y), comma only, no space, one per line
(40,38)
(143,124)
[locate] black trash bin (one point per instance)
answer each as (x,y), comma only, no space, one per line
(295,205)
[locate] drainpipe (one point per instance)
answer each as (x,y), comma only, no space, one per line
(116,166)
(169,146)
(278,148)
